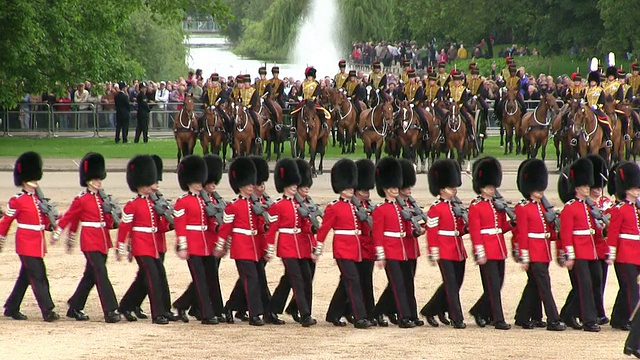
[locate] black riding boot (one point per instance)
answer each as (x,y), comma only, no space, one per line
(607,136)
(523,106)
(256,127)
(625,125)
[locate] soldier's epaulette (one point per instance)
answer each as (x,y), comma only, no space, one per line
(19,194)
(234,199)
(278,199)
(436,202)
(81,193)
(619,205)
(570,202)
(523,202)
(183,195)
(476,200)
(333,202)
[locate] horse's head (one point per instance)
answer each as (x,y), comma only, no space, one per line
(189,103)
(213,118)
(551,102)
(512,94)
(387,111)
(309,115)
(326,96)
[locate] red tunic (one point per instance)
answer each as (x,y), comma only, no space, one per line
(534,232)
(577,231)
(290,229)
(340,215)
(444,232)
(366,241)
(487,228)
(240,225)
(30,239)
(389,232)
(86,210)
(140,223)
(624,234)
(192,225)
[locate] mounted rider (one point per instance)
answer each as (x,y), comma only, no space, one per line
(461,95)
(355,92)
(576,89)
(275,87)
(378,82)
(215,96)
(311,92)
(434,94)
(261,86)
(614,88)
(413,93)
(625,94)
(443,77)
(406,65)
(512,82)
(634,80)
(342,76)
(251,101)
(475,84)
(505,72)
(595,98)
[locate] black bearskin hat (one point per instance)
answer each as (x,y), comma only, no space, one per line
(593,76)
(366,174)
(159,166)
(627,177)
(344,175)
(581,173)
(262,168)
(191,170)
(242,172)
(141,171)
(306,177)
(566,192)
(600,171)
(532,176)
(486,171)
(612,71)
(408,174)
(214,168)
(310,71)
(28,167)
(388,174)
(443,174)
(286,173)
(353,73)
(92,167)
(262,70)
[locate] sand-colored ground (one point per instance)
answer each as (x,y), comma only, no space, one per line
(68,339)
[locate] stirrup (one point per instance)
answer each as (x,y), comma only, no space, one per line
(425,137)
(325,126)
(258,140)
(442,141)
(627,137)
(637,134)
(608,143)
(482,136)
(573,142)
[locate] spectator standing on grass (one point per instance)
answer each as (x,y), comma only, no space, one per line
(123,107)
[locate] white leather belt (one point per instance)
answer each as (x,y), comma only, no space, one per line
(491,231)
(348,232)
(448,233)
(395,234)
(145,229)
(245,231)
(629,236)
(31,227)
(539,235)
(93,224)
(290,230)
(197,227)
(584,232)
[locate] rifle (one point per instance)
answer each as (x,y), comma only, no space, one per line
(48,208)
(550,215)
(110,207)
(213,210)
(600,219)
(162,206)
(310,211)
(259,208)
(500,203)
(459,210)
(409,214)
(362,213)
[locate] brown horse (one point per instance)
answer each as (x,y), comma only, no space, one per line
(456,133)
(309,130)
(374,126)
(510,120)
(535,126)
(633,142)
(243,134)
(590,133)
(617,139)
(185,128)
(409,133)
(430,146)
(214,136)
(270,129)
(562,132)
(347,122)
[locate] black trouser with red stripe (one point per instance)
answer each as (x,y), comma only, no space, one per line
(292,308)
(150,273)
(204,290)
(237,299)
(490,303)
(588,276)
(627,297)
(386,304)
(571,308)
(188,300)
(298,273)
(365,271)
(400,275)
(248,271)
(540,291)
(95,273)
(139,290)
(32,272)
(447,296)
(599,297)
(350,291)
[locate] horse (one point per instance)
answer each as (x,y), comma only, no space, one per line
(185,127)
(617,139)
(271,132)
(409,134)
(535,126)
(633,128)
(430,146)
(214,138)
(562,132)
(347,121)
(243,134)
(309,129)
(590,134)
(374,126)
(510,120)
(456,132)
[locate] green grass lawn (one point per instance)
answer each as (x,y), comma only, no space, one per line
(166,148)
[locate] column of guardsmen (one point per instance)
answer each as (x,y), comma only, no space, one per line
(596,232)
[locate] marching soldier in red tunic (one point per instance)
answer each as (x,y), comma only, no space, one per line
(24,207)
(88,210)
(535,234)
(578,240)
(444,240)
(341,217)
(624,245)
(238,233)
(487,227)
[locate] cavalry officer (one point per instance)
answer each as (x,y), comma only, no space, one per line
(215,96)
(292,247)
(355,92)
(624,248)
(341,217)
(140,222)
(476,88)
(600,175)
(261,87)
(276,87)
(624,95)
(30,239)
(505,71)
(340,78)
(414,94)
(406,68)
(238,233)
(487,227)
(459,93)
(310,92)
(595,96)
(389,236)
(87,209)
(189,300)
(577,234)
(443,77)
(611,84)
(535,234)
(444,238)
(237,87)
(378,83)
(576,90)
(634,80)
(251,100)
(432,95)
(193,243)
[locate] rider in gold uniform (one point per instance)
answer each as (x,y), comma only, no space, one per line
(634,80)
(594,96)
(406,65)
(251,100)
(342,76)
(460,94)
(261,88)
(378,83)
(276,87)
(355,92)
(512,82)
(576,89)
(443,76)
(413,93)
(238,85)
(623,96)
(611,84)
(311,92)
(215,96)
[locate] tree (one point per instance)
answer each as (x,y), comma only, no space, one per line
(620,25)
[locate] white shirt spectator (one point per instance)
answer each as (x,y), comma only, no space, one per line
(162,95)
